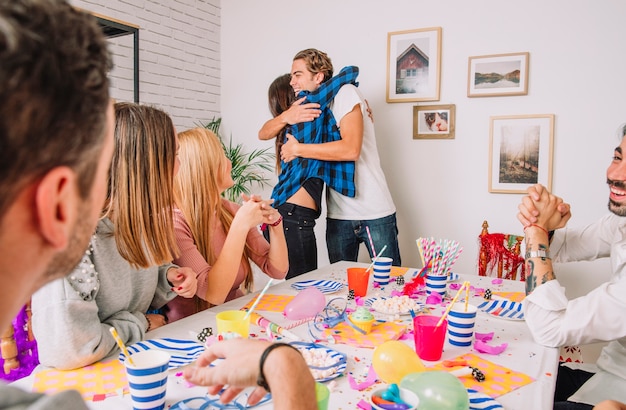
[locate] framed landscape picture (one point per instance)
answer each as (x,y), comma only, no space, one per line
(414,65)
(433,121)
(520,152)
(498,75)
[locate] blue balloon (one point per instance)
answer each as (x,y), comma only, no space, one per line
(437,390)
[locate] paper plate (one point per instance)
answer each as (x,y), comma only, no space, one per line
(324,286)
(504,309)
(336,362)
(370,302)
(183,352)
(480,401)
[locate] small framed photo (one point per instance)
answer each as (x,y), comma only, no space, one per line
(414,65)
(498,75)
(520,152)
(433,121)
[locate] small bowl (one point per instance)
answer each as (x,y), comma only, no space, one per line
(406,396)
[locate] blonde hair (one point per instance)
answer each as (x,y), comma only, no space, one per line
(140,192)
(198,194)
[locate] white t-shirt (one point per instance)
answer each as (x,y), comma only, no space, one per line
(373,199)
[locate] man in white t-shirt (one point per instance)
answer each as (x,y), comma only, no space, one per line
(350,221)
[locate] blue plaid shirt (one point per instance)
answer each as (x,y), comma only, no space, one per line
(338,175)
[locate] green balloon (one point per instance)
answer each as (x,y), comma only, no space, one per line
(437,390)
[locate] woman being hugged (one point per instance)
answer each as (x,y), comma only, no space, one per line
(218,238)
(127,269)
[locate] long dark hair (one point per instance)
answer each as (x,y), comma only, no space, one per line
(280,97)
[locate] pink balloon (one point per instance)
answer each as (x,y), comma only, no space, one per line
(307,303)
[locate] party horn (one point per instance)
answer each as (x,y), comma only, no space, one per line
(277,329)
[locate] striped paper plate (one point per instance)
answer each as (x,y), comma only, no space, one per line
(182,351)
(325,286)
(503,308)
(480,401)
(336,362)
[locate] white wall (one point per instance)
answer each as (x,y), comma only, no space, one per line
(179,57)
(441,187)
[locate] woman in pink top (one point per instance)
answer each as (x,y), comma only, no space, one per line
(218,238)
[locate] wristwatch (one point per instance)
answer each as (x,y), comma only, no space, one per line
(539,253)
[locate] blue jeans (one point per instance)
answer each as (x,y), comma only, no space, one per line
(298,224)
(343,238)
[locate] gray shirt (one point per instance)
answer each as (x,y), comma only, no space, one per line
(72,316)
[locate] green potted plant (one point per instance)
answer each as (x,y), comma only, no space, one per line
(248,167)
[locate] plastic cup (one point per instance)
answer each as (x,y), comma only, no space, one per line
(428,337)
(461,324)
(323,394)
(436,284)
(358,279)
(382,269)
(231,324)
(147,378)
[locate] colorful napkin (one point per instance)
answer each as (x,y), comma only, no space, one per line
(499,380)
(271,303)
(94,382)
(381,332)
(398,271)
(512,296)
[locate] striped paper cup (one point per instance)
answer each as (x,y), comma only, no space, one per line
(436,284)
(382,269)
(461,324)
(147,378)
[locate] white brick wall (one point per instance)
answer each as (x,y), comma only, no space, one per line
(179,55)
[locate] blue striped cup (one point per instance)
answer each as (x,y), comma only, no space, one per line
(436,284)
(382,269)
(461,324)
(147,379)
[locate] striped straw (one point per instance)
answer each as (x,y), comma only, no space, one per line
(121,344)
(369,236)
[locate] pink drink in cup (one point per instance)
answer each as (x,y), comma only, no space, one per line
(428,337)
(358,279)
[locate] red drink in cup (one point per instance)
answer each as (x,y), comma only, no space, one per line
(428,337)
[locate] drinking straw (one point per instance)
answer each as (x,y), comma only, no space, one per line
(376,258)
(258,299)
(467,289)
(369,235)
(420,249)
(121,345)
(449,308)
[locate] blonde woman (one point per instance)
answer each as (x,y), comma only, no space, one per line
(127,269)
(218,238)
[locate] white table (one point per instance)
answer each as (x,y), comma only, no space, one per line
(522,355)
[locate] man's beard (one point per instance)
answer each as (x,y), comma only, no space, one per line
(617,208)
(64,262)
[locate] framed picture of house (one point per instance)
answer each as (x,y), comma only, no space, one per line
(433,121)
(498,75)
(414,65)
(520,152)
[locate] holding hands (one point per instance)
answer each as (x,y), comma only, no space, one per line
(256,211)
(542,208)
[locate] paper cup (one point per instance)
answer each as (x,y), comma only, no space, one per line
(382,269)
(461,324)
(231,324)
(428,337)
(358,279)
(323,394)
(436,284)
(147,378)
